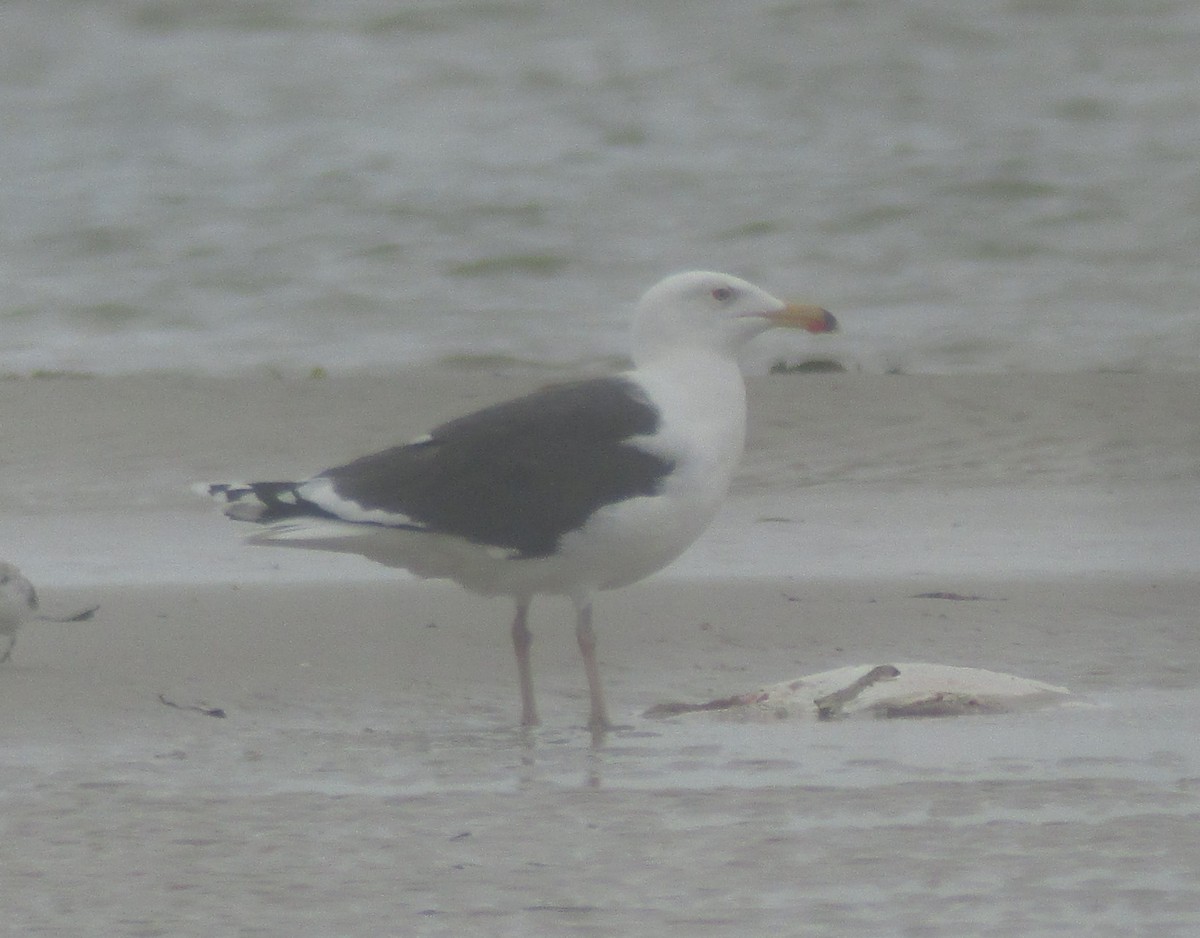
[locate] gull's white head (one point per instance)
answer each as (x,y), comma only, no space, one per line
(714,312)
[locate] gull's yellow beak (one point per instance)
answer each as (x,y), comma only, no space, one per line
(804,316)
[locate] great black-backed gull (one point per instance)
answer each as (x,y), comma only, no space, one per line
(569,490)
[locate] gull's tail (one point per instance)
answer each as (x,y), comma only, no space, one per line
(262,502)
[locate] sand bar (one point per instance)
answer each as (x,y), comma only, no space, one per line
(367,776)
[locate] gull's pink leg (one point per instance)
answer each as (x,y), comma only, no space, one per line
(522,639)
(587,646)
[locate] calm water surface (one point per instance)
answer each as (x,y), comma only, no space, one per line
(218,186)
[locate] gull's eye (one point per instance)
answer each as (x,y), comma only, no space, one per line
(722,294)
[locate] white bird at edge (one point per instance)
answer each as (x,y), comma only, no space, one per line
(572,489)
(18,604)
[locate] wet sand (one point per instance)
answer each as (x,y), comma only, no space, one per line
(366,776)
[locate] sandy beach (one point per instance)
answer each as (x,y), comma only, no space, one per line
(256,742)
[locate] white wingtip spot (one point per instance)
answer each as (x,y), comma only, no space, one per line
(222,491)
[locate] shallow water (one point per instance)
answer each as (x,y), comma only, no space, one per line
(333,817)
(221,186)
(367,778)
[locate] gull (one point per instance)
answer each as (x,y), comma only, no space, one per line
(570,490)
